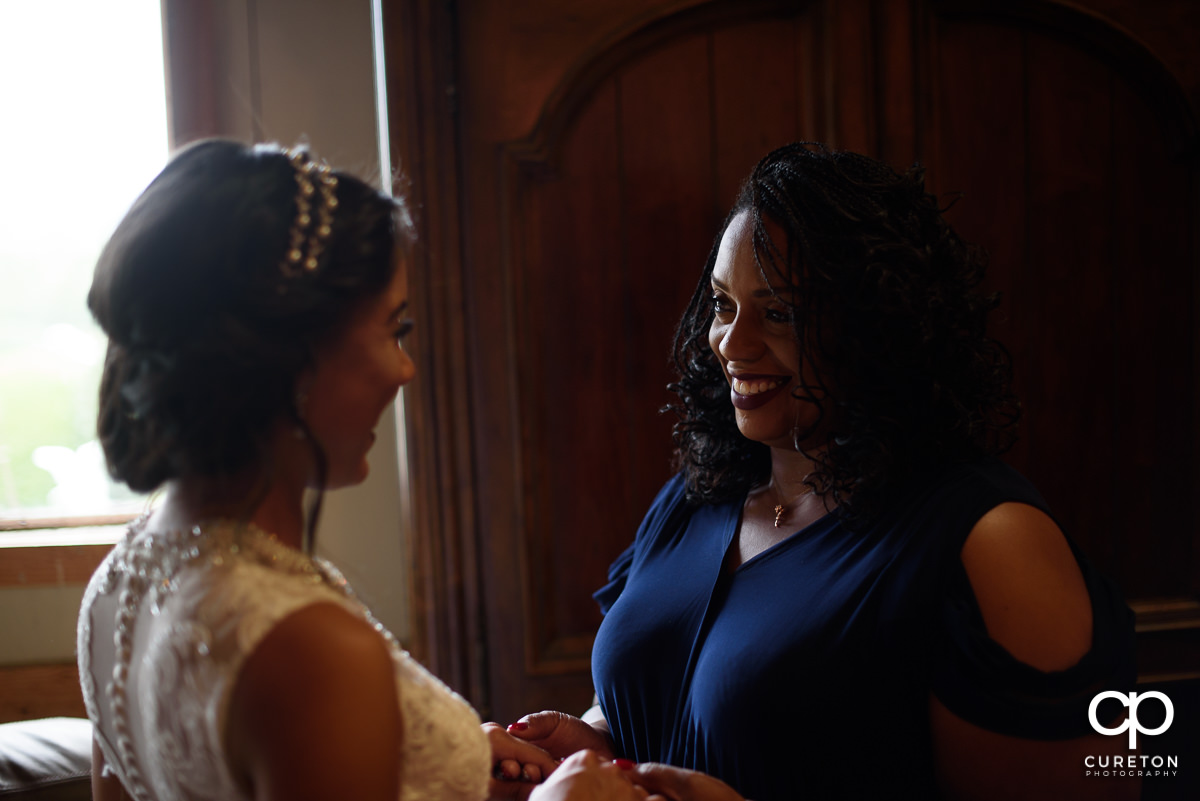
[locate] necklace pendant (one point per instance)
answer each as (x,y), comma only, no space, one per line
(779,510)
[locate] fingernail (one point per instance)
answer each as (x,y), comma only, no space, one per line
(520,725)
(624,764)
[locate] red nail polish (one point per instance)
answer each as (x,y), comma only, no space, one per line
(520,725)
(624,764)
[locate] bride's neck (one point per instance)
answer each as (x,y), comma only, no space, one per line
(273,507)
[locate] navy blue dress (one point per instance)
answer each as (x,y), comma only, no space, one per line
(806,672)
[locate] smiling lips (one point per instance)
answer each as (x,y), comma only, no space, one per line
(752,391)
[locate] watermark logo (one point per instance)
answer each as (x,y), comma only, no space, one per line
(1131,723)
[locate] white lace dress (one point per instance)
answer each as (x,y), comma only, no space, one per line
(167,622)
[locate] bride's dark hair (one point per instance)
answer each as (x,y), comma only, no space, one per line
(207,334)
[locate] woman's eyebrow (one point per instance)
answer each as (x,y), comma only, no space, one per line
(766,292)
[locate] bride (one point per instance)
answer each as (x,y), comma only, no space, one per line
(255,303)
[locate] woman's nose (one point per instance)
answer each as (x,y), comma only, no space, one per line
(741,340)
(407,370)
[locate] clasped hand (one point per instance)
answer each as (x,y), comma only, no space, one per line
(529,750)
(580,757)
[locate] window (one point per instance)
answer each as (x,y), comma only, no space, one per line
(85,130)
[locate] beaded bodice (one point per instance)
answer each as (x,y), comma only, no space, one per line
(167,621)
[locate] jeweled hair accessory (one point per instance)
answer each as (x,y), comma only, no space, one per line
(309,233)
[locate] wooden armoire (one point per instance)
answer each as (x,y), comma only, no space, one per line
(569,163)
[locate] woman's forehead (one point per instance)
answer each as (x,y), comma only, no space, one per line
(736,260)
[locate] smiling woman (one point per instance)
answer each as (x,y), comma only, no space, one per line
(844,593)
(751,335)
(253,299)
(355,379)
(295,73)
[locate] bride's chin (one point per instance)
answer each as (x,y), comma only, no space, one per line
(348,476)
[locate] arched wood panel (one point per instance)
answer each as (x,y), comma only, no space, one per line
(611,224)
(589,178)
(1086,202)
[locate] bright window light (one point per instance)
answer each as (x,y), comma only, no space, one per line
(85,129)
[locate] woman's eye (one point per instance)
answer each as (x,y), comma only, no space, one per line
(403,329)
(721,305)
(778,315)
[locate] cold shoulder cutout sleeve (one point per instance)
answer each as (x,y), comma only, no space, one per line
(980,681)
(812,666)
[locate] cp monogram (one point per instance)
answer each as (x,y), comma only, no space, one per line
(1131,722)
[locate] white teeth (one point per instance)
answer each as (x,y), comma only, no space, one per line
(755,387)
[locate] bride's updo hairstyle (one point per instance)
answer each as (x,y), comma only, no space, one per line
(215,291)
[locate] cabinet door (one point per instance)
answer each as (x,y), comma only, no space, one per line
(570,165)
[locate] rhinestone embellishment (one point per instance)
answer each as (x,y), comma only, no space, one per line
(149,565)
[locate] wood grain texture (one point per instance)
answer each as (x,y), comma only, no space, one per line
(40,691)
(54,565)
(440,506)
(670,162)
(850,76)
(1069,297)
(569,320)
(763,71)
(1155,314)
(978,104)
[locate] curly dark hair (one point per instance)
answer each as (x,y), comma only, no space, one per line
(207,335)
(886,308)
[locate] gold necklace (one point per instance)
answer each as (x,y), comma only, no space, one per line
(781,509)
